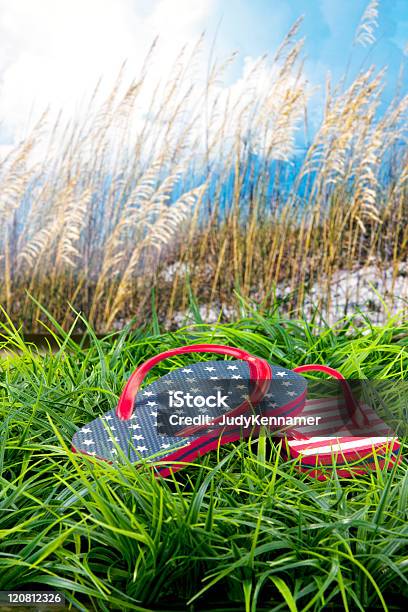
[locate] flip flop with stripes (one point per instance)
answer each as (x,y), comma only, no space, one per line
(133,428)
(351,439)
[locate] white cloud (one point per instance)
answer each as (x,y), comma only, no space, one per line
(53,53)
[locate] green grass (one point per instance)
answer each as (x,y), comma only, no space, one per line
(237,530)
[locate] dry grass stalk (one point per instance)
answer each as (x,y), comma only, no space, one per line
(198,184)
(368,24)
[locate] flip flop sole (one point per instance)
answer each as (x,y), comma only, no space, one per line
(338,447)
(138,438)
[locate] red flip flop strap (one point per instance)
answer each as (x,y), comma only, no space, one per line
(357,417)
(259,371)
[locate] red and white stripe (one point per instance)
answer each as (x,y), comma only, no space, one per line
(336,444)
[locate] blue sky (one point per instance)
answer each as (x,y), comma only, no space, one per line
(52,53)
(329,26)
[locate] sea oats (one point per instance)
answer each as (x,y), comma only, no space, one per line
(190,172)
(368,24)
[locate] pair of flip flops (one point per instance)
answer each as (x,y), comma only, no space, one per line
(192,410)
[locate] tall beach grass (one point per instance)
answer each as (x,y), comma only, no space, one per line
(201,190)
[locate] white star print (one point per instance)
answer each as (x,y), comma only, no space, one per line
(214,378)
(141,448)
(232,368)
(187,370)
(292,393)
(165,446)
(287,384)
(152,403)
(153,413)
(139,437)
(114,451)
(282,373)
(236,376)
(107,417)
(210,369)
(148,393)
(86,430)
(88,442)
(134,426)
